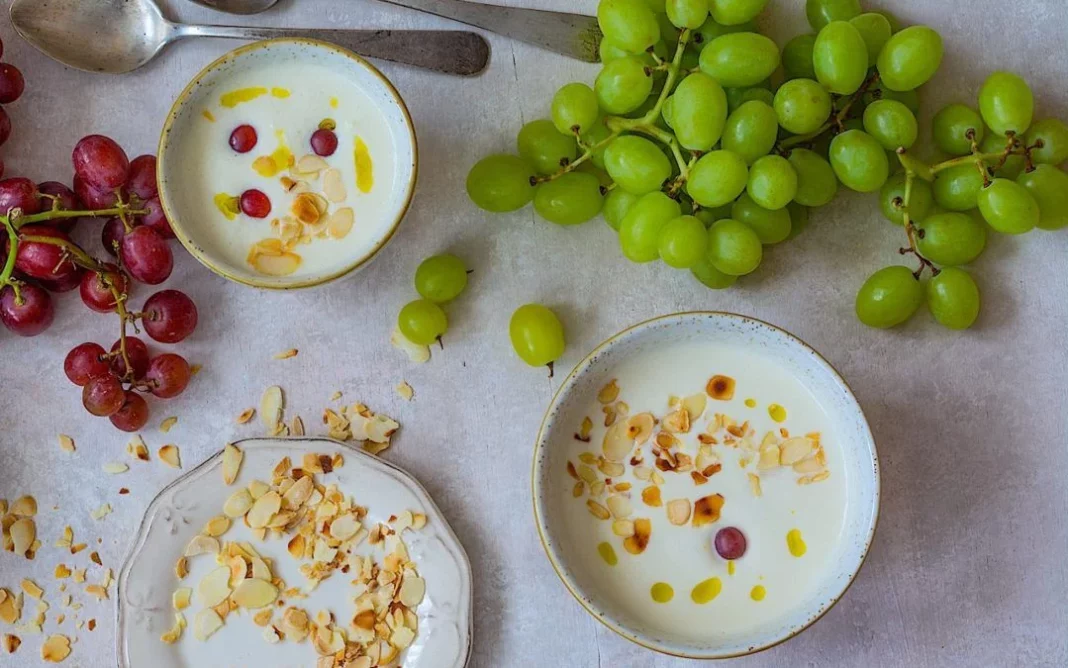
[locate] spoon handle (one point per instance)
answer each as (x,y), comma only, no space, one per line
(446,51)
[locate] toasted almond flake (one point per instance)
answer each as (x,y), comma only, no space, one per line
(640,427)
(706,510)
(31,589)
(206,623)
(170,456)
(637,543)
(311,164)
(678,511)
(810,464)
(296,426)
(334,186)
(246,415)
(175,632)
(609,392)
(754,484)
(79,575)
(619,506)
(720,388)
(61,572)
(412,591)
(10,607)
(23,533)
(271,405)
(651,496)
(769,458)
(115,468)
(809,479)
(167,423)
(282,264)
(238,504)
(101,512)
(11,643)
(642,472)
(677,422)
(214,588)
(182,597)
(617,442)
(217,526)
(611,469)
(55,649)
(66,443)
(97,590)
(254,594)
(137,449)
(286,354)
(795,449)
(405,390)
(416,353)
(263,509)
(25,506)
(623,528)
(597,510)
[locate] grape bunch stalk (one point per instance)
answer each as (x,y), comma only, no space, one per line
(701,142)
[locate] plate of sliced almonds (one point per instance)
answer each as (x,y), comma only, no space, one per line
(294,552)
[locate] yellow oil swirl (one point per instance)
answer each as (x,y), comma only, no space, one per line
(280,93)
(750,403)
(758,593)
(703,592)
(608,553)
(777,413)
(365,178)
(730,568)
(208,115)
(227,204)
(796,543)
(236,97)
(333,103)
(280,159)
(662,592)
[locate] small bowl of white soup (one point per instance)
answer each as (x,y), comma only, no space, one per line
(706,485)
(287,163)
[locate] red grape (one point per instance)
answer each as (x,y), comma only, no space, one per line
(1,164)
(730,543)
(38,259)
(168,374)
(5,126)
(137,351)
(169,316)
(32,316)
(85,361)
(69,282)
(243,138)
(134,412)
(103,396)
(97,198)
(142,181)
(324,142)
(18,193)
(146,255)
(101,162)
(255,203)
(11,83)
(95,292)
(64,198)
(1,48)
(156,219)
(111,235)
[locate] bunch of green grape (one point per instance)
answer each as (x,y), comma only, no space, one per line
(439,279)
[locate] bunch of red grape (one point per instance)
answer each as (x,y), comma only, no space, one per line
(11,87)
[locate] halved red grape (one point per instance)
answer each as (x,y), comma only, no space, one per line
(156,219)
(68,282)
(142,181)
(730,543)
(324,142)
(146,255)
(103,395)
(19,193)
(101,162)
(11,83)
(62,196)
(95,291)
(111,235)
(243,138)
(5,126)
(97,198)
(38,259)
(134,412)
(168,374)
(32,315)
(255,203)
(85,361)
(169,316)
(137,351)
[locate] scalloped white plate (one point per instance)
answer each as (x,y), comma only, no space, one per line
(147,579)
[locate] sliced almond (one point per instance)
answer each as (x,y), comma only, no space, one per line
(720,388)
(271,405)
(695,405)
(115,468)
(182,597)
(706,510)
(597,510)
(640,427)
(334,186)
(677,422)
(172,635)
(637,543)
(678,511)
(217,526)
(66,443)
(206,623)
(619,506)
(181,568)
(286,354)
(609,392)
(55,649)
(253,594)
(795,449)
(214,588)
(611,469)
(283,264)
(25,506)
(769,458)
(754,484)
(11,643)
(232,457)
(310,164)
(201,545)
(263,510)
(416,353)
(170,456)
(23,533)
(651,496)
(238,504)
(412,591)
(623,528)
(167,423)
(642,472)
(298,494)
(617,442)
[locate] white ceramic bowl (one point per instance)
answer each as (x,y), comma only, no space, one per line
(181,178)
(555,444)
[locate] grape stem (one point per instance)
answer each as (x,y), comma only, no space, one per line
(910,229)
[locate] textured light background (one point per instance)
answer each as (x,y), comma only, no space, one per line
(968,563)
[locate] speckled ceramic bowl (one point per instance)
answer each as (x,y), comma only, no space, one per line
(551,486)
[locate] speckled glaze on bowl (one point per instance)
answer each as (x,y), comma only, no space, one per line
(566,410)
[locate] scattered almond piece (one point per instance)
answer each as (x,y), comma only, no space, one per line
(405,390)
(246,415)
(271,405)
(11,643)
(170,456)
(66,444)
(232,457)
(167,423)
(286,354)
(115,468)
(55,649)
(101,512)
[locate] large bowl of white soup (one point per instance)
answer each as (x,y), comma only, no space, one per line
(287,164)
(706,485)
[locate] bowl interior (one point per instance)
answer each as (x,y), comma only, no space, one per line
(564,521)
(301,83)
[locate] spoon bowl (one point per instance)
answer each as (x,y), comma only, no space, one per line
(238,6)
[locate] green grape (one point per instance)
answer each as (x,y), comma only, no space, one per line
(953,298)
(655,6)
(840,58)
(1014,164)
(895,23)
(706,272)
(667,110)
(543,147)
(921,201)
(636,164)
(757,94)
(629,24)
(1008,207)
(859,161)
(574,108)
(687,13)
(816,183)
(593,137)
(892,124)
(698,112)
(709,216)
(617,203)
(952,238)
(609,51)
(822,12)
(717,178)
(889,297)
(802,105)
(771,226)
(1049,186)
(736,12)
(772,182)
(876,31)
(957,188)
(798,219)
(569,199)
(441,278)
(734,98)
(909,98)
(740,60)
(691,60)
(422,322)
(711,29)
(639,234)
(734,248)
(951,125)
(751,130)
(683,242)
(1053,134)
(500,183)
(602,176)
(797,57)
(1006,103)
(537,335)
(623,85)
(910,58)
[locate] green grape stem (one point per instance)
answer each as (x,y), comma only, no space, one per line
(910,230)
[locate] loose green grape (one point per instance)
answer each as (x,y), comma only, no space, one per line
(751,130)
(617,203)
(537,335)
(1014,164)
(859,161)
(709,216)
(574,108)
(798,218)
(952,238)
(711,29)
(816,183)
(734,248)
(1049,186)
(593,138)
(569,199)
(889,297)
(543,147)
(953,298)
(802,105)
(706,272)
(629,24)
(910,58)
(1006,103)
(840,58)
(422,322)
(698,112)
(921,201)
(876,31)
(441,278)
(771,226)
(623,84)
(683,242)
(957,188)
(636,164)
(892,124)
(951,125)
(772,182)
(740,60)
(822,12)
(1009,207)
(1053,134)
(687,13)
(717,178)
(500,183)
(797,57)
(639,234)
(736,12)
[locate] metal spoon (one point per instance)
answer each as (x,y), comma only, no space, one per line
(117,36)
(570,34)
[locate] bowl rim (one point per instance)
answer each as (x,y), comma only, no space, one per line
(539,517)
(196,250)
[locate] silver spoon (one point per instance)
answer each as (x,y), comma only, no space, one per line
(570,34)
(117,36)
